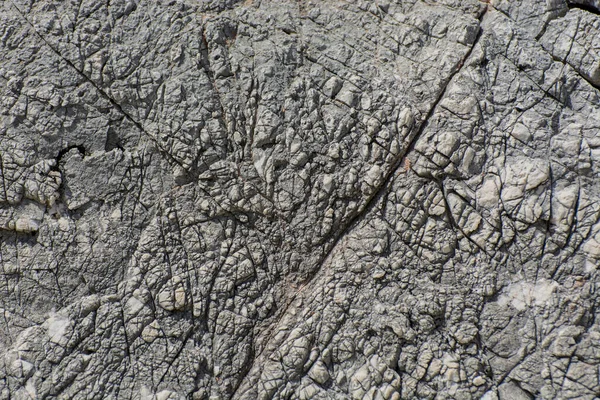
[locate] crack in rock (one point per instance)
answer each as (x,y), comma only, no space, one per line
(288,200)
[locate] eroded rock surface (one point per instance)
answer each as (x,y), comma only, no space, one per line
(299,200)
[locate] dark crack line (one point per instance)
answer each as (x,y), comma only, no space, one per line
(453,222)
(373,200)
(565,61)
(560,13)
(101,91)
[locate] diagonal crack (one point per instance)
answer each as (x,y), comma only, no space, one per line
(101,91)
(565,62)
(371,202)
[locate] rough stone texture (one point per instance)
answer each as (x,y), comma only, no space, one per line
(299,200)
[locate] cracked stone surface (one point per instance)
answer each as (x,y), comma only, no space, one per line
(268,199)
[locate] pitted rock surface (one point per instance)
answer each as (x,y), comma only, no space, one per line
(299,200)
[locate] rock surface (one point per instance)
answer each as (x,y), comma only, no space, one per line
(299,200)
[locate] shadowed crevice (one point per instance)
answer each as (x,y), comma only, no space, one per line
(591,6)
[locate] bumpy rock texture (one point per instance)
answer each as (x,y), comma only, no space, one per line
(299,200)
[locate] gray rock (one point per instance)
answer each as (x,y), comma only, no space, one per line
(269,200)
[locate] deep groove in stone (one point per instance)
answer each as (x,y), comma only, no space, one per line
(584,7)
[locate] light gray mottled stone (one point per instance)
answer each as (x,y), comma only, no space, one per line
(299,200)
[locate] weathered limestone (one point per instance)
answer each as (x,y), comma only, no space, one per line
(307,200)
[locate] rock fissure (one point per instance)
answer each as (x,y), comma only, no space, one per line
(254,200)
